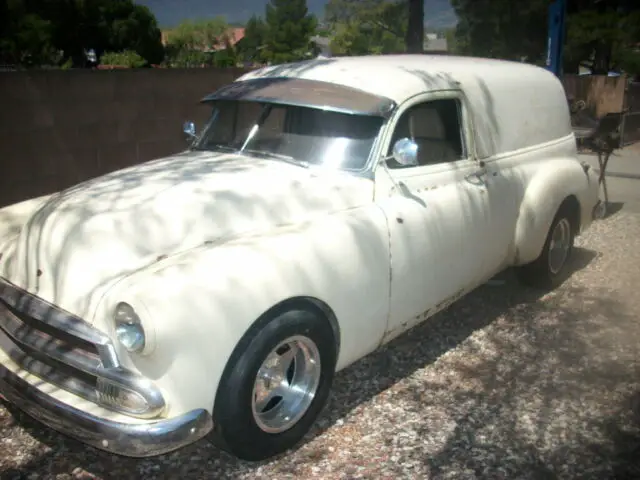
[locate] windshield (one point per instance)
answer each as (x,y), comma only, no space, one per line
(301,134)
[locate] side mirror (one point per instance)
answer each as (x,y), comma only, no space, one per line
(189,128)
(405,152)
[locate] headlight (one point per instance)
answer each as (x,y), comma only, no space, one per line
(129,329)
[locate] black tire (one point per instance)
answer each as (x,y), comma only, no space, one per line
(538,274)
(235,429)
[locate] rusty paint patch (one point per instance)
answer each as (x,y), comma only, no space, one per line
(39,273)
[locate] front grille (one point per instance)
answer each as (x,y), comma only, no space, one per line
(64,350)
(31,324)
(38,338)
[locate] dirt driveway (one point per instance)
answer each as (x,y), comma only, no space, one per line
(505,384)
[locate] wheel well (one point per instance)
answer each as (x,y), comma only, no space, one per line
(308,304)
(572,206)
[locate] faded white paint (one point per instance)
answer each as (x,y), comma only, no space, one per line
(202,244)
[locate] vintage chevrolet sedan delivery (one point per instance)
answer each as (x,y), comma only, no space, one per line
(325,208)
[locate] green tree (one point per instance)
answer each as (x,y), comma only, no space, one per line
(452,45)
(502,28)
(253,43)
(602,40)
(28,42)
(415,27)
(601,34)
(26,37)
(138,31)
(290,27)
(364,27)
(103,25)
(227,56)
(202,34)
(73,26)
(194,44)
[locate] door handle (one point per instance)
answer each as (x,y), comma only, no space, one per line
(476,178)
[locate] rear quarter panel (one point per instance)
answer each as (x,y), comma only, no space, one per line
(545,177)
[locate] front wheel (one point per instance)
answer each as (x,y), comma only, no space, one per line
(276,384)
(550,268)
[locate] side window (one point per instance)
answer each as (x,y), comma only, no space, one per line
(436,127)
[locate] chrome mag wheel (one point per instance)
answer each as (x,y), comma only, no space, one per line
(559,245)
(286,384)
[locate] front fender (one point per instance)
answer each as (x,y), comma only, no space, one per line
(547,189)
(198,305)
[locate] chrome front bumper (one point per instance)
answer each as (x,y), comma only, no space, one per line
(66,352)
(131,440)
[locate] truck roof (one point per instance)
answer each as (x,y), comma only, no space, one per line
(514,105)
(400,77)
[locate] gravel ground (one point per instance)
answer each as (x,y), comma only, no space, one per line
(507,383)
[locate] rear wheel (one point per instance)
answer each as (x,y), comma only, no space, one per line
(277,382)
(550,268)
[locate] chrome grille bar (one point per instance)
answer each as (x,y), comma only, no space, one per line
(42,370)
(66,351)
(48,345)
(43,311)
(21,301)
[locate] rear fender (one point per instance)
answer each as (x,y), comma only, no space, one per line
(547,190)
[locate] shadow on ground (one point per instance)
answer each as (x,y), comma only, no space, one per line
(613,208)
(540,399)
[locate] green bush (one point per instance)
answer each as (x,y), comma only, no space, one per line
(127,58)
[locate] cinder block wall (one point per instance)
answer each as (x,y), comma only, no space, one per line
(58,128)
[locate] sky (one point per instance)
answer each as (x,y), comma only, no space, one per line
(438,13)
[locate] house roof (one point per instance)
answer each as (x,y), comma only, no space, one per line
(234,34)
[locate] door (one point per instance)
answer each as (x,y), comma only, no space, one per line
(441,229)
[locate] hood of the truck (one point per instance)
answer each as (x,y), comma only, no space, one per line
(79,242)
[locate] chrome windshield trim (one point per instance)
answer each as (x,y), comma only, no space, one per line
(132,440)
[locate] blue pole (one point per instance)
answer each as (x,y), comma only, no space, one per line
(555,40)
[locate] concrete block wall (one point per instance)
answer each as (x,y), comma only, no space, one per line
(58,128)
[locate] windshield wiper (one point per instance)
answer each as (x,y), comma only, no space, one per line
(277,156)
